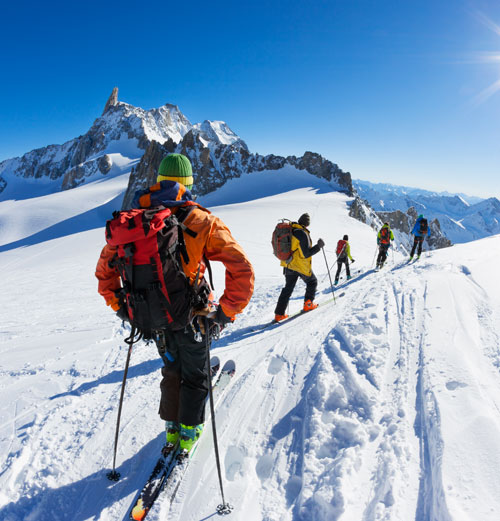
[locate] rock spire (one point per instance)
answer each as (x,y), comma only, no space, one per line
(112,100)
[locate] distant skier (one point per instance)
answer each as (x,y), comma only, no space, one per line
(384,238)
(343,256)
(420,230)
(299,266)
(184,386)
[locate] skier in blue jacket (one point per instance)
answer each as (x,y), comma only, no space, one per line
(420,230)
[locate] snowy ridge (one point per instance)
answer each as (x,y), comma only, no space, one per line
(462,218)
(381,406)
(217,133)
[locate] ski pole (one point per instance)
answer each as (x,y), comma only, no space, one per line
(376,250)
(329,276)
(224,508)
(113,475)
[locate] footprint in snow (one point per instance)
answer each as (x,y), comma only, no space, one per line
(233,463)
(275,365)
(453,384)
(264,466)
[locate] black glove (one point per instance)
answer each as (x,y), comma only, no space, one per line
(221,318)
(321,243)
(352,260)
(122,313)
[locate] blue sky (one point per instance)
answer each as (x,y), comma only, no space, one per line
(392,91)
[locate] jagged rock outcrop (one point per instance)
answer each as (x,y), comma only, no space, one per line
(76,175)
(363,212)
(214,165)
(112,100)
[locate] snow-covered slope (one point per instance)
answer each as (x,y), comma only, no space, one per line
(383,405)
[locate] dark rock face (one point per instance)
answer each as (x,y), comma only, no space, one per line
(363,212)
(112,100)
(214,165)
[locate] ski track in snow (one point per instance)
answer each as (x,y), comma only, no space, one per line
(382,406)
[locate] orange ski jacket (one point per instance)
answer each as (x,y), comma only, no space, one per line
(215,242)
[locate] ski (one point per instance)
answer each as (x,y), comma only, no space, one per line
(170,455)
(344,281)
(274,323)
(182,460)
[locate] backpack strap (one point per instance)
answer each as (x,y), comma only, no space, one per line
(209,269)
(182,213)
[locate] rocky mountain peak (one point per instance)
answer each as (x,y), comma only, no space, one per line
(112,100)
(126,138)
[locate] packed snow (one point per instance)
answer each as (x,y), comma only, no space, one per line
(381,405)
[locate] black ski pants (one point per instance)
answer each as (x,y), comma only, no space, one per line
(382,253)
(291,278)
(417,241)
(184,386)
(342,260)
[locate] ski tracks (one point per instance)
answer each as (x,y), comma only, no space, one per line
(362,455)
(77,424)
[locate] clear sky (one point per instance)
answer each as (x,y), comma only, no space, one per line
(398,91)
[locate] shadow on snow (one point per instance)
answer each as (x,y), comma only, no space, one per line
(141,369)
(88,497)
(90,220)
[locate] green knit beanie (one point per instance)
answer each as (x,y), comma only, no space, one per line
(176,167)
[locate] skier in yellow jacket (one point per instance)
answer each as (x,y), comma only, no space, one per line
(299,266)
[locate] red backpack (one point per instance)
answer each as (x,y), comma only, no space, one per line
(385,235)
(150,245)
(341,245)
(282,240)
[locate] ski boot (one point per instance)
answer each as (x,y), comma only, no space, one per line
(279,318)
(309,305)
(172,428)
(349,277)
(189,436)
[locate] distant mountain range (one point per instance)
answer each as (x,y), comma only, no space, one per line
(462,218)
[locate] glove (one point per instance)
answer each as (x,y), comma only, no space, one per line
(221,318)
(321,243)
(352,260)
(122,313)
